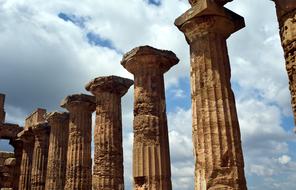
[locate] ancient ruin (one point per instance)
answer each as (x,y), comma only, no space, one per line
(151,156)
(218,153)
(40,155)
(108,156)
(78,170)
(57,151)
(286,13)
(53,150)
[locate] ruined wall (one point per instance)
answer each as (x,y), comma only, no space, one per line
(7,163)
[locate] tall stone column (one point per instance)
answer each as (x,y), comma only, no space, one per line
(27,137)
(18,152)
(108,157)
(40,155)
(57,152)
(151,156)
(2,112)
(78,172)
(218,153)
(286,12)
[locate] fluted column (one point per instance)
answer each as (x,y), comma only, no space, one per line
(27,138)
(151,156)
(216,135)
(78,171)
(57,152)
(108,157)
(18,152)
(286,12)
(40,155)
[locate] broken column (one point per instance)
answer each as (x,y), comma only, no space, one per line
(27,138)
(18,151)
(286,12)
(78,171)
(57,152)
(108,155)
(2,112)
(40,155)
(151,156)
(218,153)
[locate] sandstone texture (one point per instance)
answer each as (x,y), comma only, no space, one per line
(27,138)
(108,157)
(151,156)
(216,137)
(38,116)
(78,170)
(219,2)
(7,166)
(286,12)
(57,151)
(40,155)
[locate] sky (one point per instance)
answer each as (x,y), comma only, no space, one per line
(51,49)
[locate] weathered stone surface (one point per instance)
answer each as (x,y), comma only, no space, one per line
(78,171)
(216,135)
(9,131)
(18,151)
(40,155)
(151,158)
(7,164)
(108,156)
(27,138)
(219,2)
(2,112)
(286,12)
(57,153)
(38,116)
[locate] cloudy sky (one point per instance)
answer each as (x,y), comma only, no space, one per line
(50,49)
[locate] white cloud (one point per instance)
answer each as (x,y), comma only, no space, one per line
(285,159)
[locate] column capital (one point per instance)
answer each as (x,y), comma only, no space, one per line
(79,102)
(145,57)
(26,136)
(284,8)
(57,117)
(40,128)
(219,2)
(111,84)
(208,17)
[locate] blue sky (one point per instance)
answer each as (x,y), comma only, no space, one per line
(49,50)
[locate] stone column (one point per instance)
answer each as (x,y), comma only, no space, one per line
(286,12)
(57,153)
(151,156)
(218,153)
(78,172)
(108,158)
(18,152)
(27,138)
(40,155)
(2,112)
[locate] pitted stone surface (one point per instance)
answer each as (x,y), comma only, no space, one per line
(218,154)
(108,155)
(151,158)
(286,12)
(111,84)
(27,138)
(7,166)
(57,153)
(38,116)
(153,58)
(78,170)
(40,155)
